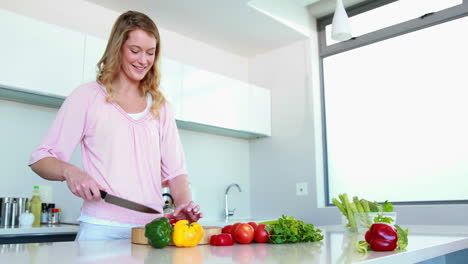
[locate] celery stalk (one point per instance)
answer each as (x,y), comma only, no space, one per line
(340,206)
(358,204)
(352,221)
(365,206)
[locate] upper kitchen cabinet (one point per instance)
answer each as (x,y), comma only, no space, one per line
(42,63)
(171,84)
(214,100)
(94,49)
(39,57)
(259,110)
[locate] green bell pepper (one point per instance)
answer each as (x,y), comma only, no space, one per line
(159,232)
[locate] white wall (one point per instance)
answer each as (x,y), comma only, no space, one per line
(288,156)
(293,153)
(213,161)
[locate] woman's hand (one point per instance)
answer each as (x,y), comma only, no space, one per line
(189,211)
(81,184)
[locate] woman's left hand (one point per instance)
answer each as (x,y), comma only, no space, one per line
(189,211)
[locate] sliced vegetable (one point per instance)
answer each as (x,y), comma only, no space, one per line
(187,234)
(221,240)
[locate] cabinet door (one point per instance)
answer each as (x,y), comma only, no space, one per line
(94,49)
(171,84)
(38,56)
(259,110)
(212,99)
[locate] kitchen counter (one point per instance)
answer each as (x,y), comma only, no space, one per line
(42,230)
(425,242)
(44,233)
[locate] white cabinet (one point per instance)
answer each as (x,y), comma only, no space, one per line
(41,63)
(40,57)
(94,49)
(259,110)
(171,84)
(213,99)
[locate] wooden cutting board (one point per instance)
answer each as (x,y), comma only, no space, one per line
(138,235)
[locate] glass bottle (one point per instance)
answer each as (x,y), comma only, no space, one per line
(36,206)
(44,214)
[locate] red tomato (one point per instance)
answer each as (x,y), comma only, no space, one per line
(234,227)
(244,233)
(261,235)
(227,229)
(253,224)
(173,222)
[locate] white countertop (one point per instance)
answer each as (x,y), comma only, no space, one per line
(42,230)
(425,242)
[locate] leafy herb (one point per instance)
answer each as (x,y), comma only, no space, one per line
(289,230)
(387,207)
(362,246)
(402,242)
(383,219)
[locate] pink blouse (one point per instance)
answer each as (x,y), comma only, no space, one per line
(129,158)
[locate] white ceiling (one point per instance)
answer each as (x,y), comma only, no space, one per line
(230,25)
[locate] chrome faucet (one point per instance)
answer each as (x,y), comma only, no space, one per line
(227,212)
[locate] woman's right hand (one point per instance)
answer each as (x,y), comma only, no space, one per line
(81,184)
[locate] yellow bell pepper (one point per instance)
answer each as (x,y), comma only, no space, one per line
(187,234)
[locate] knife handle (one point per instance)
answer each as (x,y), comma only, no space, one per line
(103,194)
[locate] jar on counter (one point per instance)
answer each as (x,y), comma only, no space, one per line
(54,216)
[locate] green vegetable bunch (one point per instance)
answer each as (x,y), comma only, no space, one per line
(289,230)
(348,208)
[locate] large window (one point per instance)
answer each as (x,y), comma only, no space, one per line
(395,111)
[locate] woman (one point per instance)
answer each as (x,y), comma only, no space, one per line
(129,139)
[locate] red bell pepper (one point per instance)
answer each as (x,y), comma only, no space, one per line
(382,237)
(221,240)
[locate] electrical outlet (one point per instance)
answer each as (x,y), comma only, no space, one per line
(301,189)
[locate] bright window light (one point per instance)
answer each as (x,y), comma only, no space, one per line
(396,117)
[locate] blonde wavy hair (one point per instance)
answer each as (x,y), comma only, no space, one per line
(110,64)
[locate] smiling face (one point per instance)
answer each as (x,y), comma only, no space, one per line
(138,54)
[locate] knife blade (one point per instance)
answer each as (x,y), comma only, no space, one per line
(112,199)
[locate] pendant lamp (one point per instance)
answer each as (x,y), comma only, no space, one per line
(341,30)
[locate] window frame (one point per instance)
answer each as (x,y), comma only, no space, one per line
(424,21)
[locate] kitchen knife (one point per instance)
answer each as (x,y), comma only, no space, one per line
(112,199)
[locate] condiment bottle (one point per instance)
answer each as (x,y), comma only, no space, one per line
(54,216)
(36,207)
(44,214)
